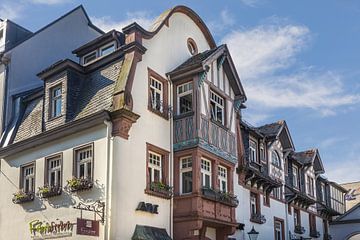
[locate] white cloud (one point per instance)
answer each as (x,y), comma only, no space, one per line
(250,3)
(347,172)
(106,23)
(264,55)
(50,2)
(224,21)
(10,10)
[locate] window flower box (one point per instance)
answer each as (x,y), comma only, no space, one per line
(228,198)
(49,191)
(299,229)
(258,218)
(161,188)
(79,184)
(22,197)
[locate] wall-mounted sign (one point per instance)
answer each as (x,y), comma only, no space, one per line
(45,230)
(352,194)
(87,227)
(147,207)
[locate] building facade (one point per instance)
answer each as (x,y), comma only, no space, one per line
(352,196)
(139,135)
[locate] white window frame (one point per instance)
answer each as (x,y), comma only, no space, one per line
(85,161)
(222,175)
(87,55)
(295,173)
(253,202)
(54,100)
(310,186)
(219,103)
(274,152)
(185,167)
(155,164)
(107,46)
(322,192)
(56,170)
(154,83)
(262,152)
(252,151)
(189,91)
(278,226)
(206,171)
(29,174)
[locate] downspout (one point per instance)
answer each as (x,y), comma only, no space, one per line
(4,60)
(109,165)
(171,162)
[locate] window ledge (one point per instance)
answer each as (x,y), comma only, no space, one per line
(163,114)
(182,115)
(219,124)
(158,194)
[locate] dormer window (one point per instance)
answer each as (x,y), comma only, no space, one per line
(90,57)
(253,151)
(98,53)
(107,49)
(56,101)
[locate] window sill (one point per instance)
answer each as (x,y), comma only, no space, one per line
(163,114)
(188,114)
(158,194)
(219,124)
(54,118)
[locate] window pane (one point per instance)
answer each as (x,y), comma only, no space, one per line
(89,58)
(207,181)
(107,50)
(52,179)
(185,103)
(156,175)
(187,182)
(89,170)
(82,171)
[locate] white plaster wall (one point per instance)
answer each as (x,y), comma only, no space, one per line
(59,207)
(165,51)
(44,49)
(2,40)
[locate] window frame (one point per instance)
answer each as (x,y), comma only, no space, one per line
(183,94)
(312,222)
(274,152)
(204,172)
(22,176)
(53,100)
(255,196)
(113,43)
(192,46)
(282,228)
(88,54)
(253,151)
(295,169)
(75,161)
(223,177)
(223,107)
(164,106)
(185,170)
(154,167)
(297,217)
(47,170)
(310,186)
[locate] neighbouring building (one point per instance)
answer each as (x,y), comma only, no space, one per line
(352,196)
(347,226)
(139,134)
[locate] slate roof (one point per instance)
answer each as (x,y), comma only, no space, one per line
(272,129)
(304,157)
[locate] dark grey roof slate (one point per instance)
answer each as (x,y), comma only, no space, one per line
(304,157)
(31,121)
(272,129)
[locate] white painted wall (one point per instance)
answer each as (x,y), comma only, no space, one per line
(59,207)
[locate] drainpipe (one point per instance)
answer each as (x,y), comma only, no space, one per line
(171,162)
(109,165)
(4,60)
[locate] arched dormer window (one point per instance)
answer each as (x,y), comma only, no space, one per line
(275,159)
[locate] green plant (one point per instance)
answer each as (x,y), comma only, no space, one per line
(74,182)
(20,195)
(45,189)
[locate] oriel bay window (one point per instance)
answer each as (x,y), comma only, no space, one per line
(222,172)
(217,107)
(185,98)
(54,174)
(186,175)
(27,181)
(84,162)
(205,173)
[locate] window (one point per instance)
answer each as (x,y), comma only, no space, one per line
(217,107)
(253,150)
(254,204)
(205,173)
(192,46)
(184,98)
(84,162)
(158,94)
(310,186)
(297,219)
(278,229)
(53,168)
(322,192)
(28,178)
(107,49)
(275,159)
(222,172)
(186,175)
(154,167)
(266,199)
(277,193)
(56,101)
(1,33)
(295,171)
(312,222)
(262,153)
(90,57)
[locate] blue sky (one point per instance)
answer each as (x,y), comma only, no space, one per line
(298,61)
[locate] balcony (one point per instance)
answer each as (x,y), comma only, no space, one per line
(211,136)
(223,197)
(79,184)
(49,191)
(258,218)
(23,197)
(314,233)
(299,229)
(256,173)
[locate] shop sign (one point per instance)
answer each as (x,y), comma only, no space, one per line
(87,227)
(148,207)
(45,230)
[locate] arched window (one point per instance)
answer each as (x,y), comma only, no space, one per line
(275,159)
(192,46)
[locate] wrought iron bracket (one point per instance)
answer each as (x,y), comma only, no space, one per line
(97,207)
